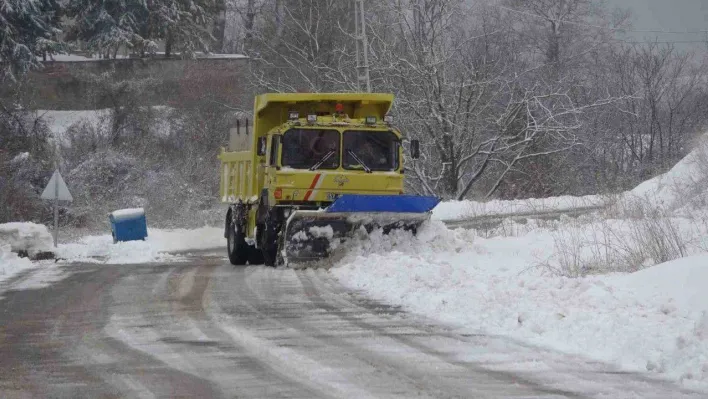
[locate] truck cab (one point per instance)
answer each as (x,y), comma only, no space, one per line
(314,159)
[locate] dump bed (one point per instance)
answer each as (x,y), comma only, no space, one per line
(238,177)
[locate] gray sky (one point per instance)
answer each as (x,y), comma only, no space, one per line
(675,15)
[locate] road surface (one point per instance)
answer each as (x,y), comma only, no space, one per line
(202,328)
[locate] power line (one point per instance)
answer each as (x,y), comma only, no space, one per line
(603,27)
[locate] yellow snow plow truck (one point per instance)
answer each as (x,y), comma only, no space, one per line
(313,170)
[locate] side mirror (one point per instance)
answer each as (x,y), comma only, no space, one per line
(262,146)
(415,149)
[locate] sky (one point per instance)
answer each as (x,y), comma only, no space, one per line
(675,15)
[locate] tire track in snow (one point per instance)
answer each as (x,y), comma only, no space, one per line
(177,332)
(280,296)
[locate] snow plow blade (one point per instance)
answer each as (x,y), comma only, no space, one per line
(314,235)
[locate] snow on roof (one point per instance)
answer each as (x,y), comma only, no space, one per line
(130,213)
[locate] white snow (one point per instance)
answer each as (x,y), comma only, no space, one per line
(322,231)
(159,246)
(129,213)
(10,263)
(520,282)
(671,189)
(25,236)
(647,321)
(60,121)
(21,157)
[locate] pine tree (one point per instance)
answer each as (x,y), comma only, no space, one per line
(107,25)
(27,30)
(104,26)
(183,24)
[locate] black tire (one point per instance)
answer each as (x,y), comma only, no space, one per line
(236,246)
(269,242)
(255,255)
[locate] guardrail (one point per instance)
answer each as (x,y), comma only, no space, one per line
(490,221)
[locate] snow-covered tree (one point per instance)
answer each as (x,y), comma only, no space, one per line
(27,29)
(182,24)
(105,26)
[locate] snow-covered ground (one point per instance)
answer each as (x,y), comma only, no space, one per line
(60,121)
(160,245)
(29,237)
(565,285)
(15,237)
(653,320)
(11,264)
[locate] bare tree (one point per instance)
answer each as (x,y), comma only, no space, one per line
(524,94)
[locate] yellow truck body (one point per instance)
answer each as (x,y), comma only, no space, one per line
(279,171)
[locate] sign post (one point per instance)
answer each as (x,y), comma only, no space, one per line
(58,191)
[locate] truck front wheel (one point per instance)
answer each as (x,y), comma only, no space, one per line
(236,246)
(269,237)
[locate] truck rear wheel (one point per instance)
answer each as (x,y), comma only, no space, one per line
(236,246)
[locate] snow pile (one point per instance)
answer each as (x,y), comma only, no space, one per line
(159,246)
(455,210)
(673,189)
(653,320)
(28,237)
(10,263)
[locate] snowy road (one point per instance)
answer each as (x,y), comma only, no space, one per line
(203,328)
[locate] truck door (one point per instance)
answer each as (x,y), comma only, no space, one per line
(273,158)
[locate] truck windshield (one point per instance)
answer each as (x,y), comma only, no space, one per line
(305,148)
(376,150)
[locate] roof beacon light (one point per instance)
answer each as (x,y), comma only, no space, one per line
(339,108)
(388,119)
(293,115)
(370,120)
(312,118)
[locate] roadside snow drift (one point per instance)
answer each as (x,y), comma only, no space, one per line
(160,245)
(455,210)
(10,263)
(30,237)
(654,320)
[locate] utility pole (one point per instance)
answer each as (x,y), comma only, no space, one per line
(362,48)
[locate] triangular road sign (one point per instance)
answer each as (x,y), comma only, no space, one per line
(57,189)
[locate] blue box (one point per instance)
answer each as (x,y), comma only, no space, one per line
(128,225)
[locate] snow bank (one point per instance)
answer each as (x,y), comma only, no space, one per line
(674,188)
(158,246)
(10,263)
(653,320)
(30,237)
(455,210)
